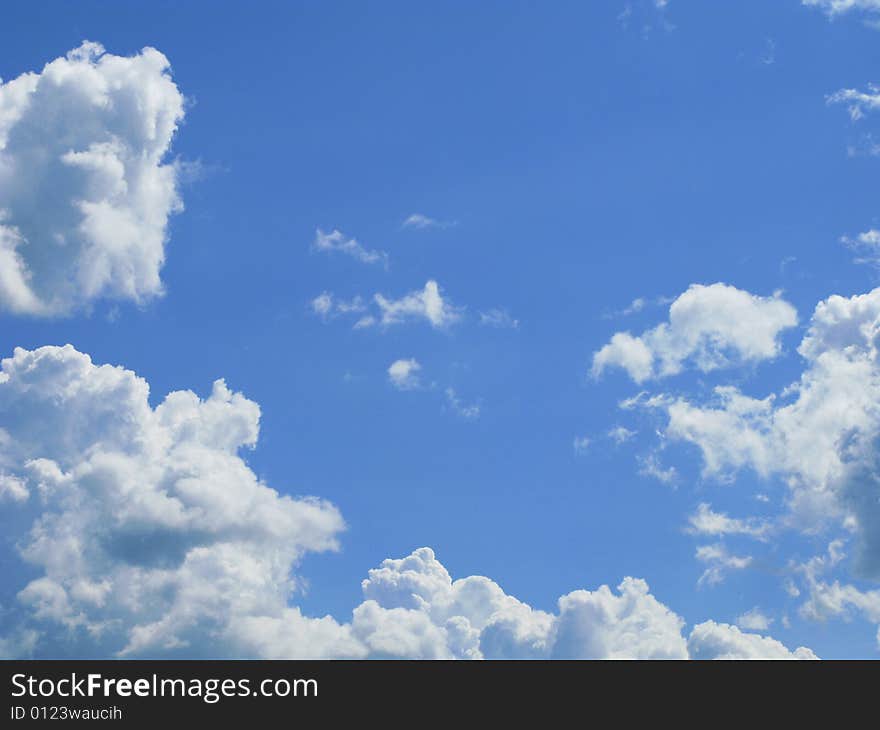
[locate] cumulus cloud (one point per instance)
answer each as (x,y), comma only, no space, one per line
(712,640)
(404,374)
(415,609)
(153,536)
(820,434)
(336,241)
(85,191)
(709,327)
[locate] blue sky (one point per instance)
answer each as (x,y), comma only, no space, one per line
(574,157)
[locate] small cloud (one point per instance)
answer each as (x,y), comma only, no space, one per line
(719,562)
(403,374)
(754,620)
(499,318)
(705,521)
(620,434)
(581,444)
(421,222)
(426,304)
(337,241)
(327,306)
(866,245)
(651,467)
(468,412)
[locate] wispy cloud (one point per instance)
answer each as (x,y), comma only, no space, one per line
(336,241)
(459,407)
(497,317)
(419,221)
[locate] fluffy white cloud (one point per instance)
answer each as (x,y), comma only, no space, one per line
(153,533)
(404,374)
(337,241)
(709,327)
(711,640)
(820,434)
(85,194)
(151,536)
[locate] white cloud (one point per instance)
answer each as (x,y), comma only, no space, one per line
(710,640)
(85,194)
(819,434)
(859,102)
(421,222)
(866,245)
(839,7)
(469,412)
(581,444)
(154,535)
(650,466)
(719,561)
(705,521)
(709,327)
(13,489)
(327,306)
(498,318)
(337,241)
(426,304)
(154,538)
(621,434)
(403,374)
(754,620)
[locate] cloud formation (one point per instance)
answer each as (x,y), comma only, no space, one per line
(427,304)
(709,327)
(336,241)
(151,536)
(85,192)
(421,222)
(838,7)
(404,374)
(819,435)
